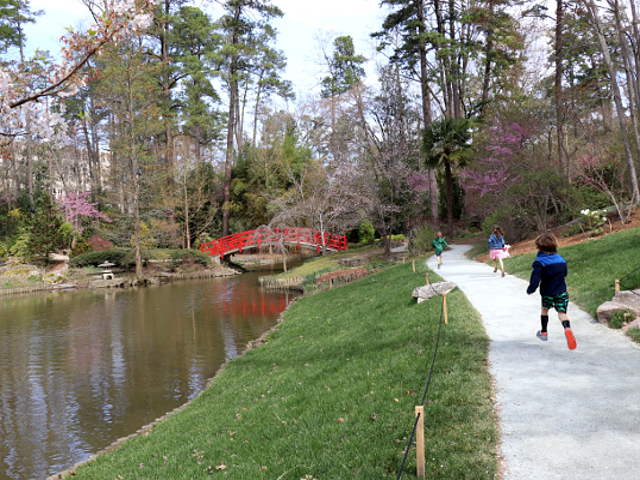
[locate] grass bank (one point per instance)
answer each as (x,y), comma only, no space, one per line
(331,395)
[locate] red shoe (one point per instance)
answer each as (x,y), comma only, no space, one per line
(571,342)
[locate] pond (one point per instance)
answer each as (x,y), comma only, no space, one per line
(78,370)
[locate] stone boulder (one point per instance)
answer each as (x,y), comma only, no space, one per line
(624,302)
(633,324)
(427,291)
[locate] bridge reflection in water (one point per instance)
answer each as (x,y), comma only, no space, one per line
(80,370)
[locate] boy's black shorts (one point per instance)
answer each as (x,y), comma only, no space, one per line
(560,302)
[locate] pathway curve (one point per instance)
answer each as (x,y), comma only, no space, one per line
(563,414)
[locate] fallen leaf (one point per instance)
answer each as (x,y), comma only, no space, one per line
(222,466)
(341,420)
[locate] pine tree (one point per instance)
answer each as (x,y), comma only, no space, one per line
(240,25)
(46,235)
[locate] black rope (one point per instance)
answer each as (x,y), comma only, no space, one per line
(628,275)
(426,390)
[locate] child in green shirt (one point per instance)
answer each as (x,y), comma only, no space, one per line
(439,244)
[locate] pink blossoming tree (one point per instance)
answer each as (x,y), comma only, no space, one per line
(77,210)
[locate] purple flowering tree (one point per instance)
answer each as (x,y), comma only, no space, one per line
(497,167)
(77,210)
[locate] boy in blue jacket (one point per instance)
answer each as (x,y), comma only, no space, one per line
(549,270)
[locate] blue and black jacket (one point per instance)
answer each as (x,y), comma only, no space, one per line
(549,270)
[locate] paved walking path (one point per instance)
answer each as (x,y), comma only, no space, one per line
(563,414)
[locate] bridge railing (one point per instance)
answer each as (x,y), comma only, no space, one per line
(302,237)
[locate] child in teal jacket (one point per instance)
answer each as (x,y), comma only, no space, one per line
(439,244)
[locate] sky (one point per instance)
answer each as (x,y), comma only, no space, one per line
(303,21)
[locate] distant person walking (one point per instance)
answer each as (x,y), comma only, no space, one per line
(439,244)
(497,249)
(549,270)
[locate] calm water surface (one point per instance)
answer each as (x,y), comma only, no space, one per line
(79,370)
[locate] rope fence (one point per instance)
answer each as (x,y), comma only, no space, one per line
(420,409)
(619,283)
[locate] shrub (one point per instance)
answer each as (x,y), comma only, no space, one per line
(190,256)
(117,257)
(423,237)
(202,239)
(592,219)
(19,248)
(366,232)
(129,259)
(81,246)
(66,231)
(510,221)
(573,230)
(4,253)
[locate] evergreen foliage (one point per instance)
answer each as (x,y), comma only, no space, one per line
(192,256)
(94,259)
(46,235)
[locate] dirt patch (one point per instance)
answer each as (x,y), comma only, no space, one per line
(529,246)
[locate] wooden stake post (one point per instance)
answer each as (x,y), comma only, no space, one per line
(617,286)
(427,278)
(420,442)
(414,265)
(444,306)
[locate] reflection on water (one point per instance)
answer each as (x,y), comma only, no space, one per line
(79,370)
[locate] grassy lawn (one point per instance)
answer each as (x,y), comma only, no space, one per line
(331,395)
(331,261)
(593,267)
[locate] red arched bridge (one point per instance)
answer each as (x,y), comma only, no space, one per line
(263,237)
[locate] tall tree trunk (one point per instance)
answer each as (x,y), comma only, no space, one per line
(233,107)
(135,180)
(488,54)
(166,93)
(226,212)
(559,57)
(632,83)
(449,181)
(255,111)
(604,49)
(28,139)
(426,110)
(454,69)
(186,215)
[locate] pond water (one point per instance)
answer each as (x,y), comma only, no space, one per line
(78,370)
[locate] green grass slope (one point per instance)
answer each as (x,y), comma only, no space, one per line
(332,394)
